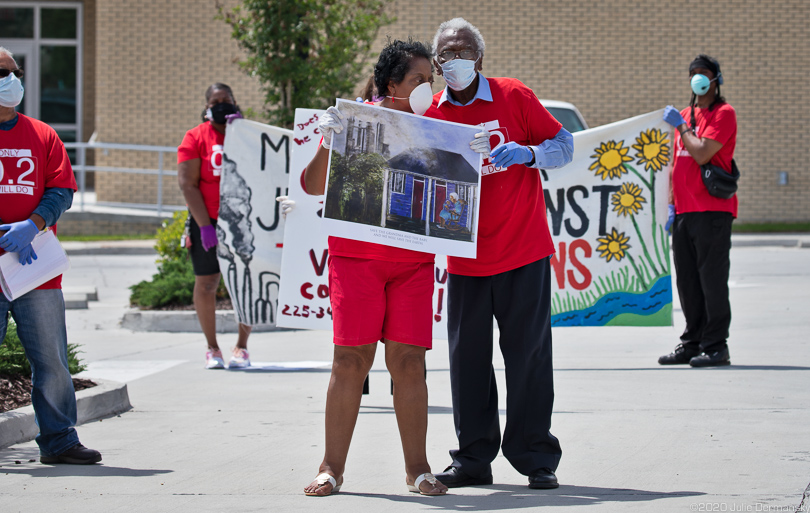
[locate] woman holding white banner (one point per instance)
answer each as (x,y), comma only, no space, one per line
(199,166)
(379,293)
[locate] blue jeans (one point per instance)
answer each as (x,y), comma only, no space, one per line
(40,318)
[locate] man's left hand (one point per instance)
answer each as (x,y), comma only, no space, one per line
(510,154)
(27,255)
(18,236)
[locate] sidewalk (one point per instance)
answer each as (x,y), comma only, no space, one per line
(635,436)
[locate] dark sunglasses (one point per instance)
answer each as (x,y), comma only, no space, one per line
(6,72)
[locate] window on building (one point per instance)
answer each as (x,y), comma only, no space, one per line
(398,183)
(46,40)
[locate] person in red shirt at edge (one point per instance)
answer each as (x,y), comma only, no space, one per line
(36,188)
(199,164)
(510,276)
(380,293)
(700,222)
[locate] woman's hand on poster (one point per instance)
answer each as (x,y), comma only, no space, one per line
(208,237)
(673,117)
(481,143)
(18,235)
(230,118)
(510,154)
(331,123)
(287,205)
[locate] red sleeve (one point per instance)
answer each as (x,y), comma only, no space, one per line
(58,171)
(542,125)
(723,125)
(189,148)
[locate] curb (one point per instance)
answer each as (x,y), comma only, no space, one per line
(183,321)
(105,399)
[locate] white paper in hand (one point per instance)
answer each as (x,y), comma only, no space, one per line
(17,279)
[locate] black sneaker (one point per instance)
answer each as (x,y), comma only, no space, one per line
(76,455)
(714,359)
(681,355)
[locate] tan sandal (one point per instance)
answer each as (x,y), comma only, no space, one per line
(322,479)
(430,478)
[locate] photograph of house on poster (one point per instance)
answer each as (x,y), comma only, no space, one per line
(403,180)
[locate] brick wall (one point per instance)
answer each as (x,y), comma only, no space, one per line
(154,61)
(613,59)
(619,58)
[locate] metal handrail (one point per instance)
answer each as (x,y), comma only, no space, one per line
(83,168)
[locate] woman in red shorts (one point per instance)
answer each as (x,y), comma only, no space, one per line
(380,293)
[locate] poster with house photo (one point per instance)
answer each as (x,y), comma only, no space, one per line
(403,180)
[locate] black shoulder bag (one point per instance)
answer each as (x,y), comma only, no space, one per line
(718,181)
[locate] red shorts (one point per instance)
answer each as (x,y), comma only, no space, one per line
(374,300)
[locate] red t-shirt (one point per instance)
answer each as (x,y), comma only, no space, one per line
(719,124)
(339,246)
(512,227)
(205,143)
(32,158)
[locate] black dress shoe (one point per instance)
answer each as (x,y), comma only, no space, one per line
(681,355)
(453,477)
(713,359)
(543,479)
(76,455)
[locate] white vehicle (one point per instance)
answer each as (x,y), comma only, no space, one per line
(566,114)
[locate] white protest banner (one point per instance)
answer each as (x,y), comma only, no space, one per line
(255,169)
(606,211)
(304,296)
(403,180)
(303,300)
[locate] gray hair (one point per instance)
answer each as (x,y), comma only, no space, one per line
(458,24)
(5,51)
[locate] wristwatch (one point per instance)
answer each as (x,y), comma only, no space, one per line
(534,157)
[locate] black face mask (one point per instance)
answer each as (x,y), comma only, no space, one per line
(218,112)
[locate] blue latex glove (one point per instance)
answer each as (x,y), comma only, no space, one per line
(670,218)
(510,154)
(18,235)
(27,255)
(673,116)
(208,237)
(229,118)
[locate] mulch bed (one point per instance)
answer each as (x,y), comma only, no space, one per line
(15,391)
(222,304)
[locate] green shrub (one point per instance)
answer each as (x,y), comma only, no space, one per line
(168,237)
(14,363)
(174,282)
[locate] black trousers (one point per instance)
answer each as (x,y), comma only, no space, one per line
(520,300)
(701,243)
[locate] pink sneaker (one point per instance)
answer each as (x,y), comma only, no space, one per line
(239,359)
(213,360)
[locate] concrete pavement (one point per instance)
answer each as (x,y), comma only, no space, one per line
(635,436)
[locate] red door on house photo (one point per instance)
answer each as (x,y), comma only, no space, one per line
(441,195)
(418,198)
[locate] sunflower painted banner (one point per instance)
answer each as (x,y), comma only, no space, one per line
(606,211)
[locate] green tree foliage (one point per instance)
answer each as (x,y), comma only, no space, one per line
(14,363)
(356,188)
(306,53)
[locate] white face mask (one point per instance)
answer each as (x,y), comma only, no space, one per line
(459,73)
(420,99)
(11,91)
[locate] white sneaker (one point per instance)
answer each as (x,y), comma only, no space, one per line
(213,360)
(240,359)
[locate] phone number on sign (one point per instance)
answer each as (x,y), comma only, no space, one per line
(305,311)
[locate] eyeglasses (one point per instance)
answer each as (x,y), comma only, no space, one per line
(449,55)
(6,72)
